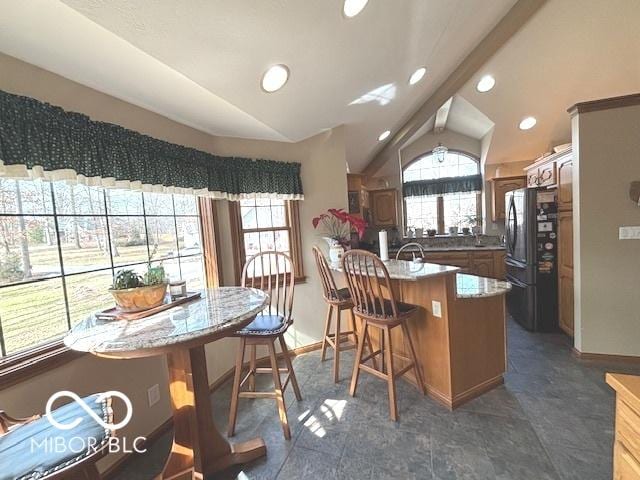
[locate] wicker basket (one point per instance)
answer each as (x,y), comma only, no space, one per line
(139,298)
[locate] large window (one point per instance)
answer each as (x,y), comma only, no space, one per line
(266,225)
(61,244)
(442,210)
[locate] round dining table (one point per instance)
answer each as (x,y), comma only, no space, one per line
(181,333)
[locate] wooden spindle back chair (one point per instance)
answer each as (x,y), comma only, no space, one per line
(338,299)
(273,273)
(368,280)
(375,303)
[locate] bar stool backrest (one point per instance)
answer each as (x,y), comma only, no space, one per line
(272,272)
(368,279)
(329,289)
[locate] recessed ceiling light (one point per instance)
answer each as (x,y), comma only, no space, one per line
(417,75)
(486,83)
(527,123)
(275,78)
(384,135)
(351,8)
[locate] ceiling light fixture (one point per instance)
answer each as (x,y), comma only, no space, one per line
(440,152)
(351,8)
(527,123)
(384,135)
(486,83)
(417,75)
(274,78)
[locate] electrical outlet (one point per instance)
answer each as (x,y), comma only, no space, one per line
(153,394)
(629,233)
(436,308)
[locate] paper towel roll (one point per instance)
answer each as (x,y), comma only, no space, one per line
(384,247)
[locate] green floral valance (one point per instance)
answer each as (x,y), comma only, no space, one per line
(443,186)
(39,140)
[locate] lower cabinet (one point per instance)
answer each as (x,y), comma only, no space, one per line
(485,263)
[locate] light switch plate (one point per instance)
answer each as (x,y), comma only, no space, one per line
(629,233)
(436,308)
(153,395)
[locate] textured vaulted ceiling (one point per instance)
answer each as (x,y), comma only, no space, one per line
(200,61)
(570,51)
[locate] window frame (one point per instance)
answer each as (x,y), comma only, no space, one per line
(38,359)
(440,198)
(292,211)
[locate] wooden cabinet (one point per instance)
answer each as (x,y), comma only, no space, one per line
(500,186)
(564,168)
(358,195)
(484,263)
(626,449)
(384,211)
(565,271)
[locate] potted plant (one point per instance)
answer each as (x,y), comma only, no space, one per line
(336,226)
(135,293)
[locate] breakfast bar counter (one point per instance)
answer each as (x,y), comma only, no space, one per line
(459,331)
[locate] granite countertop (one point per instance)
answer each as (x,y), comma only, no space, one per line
(472,286)
(404,270)
(453,249)
(219,309)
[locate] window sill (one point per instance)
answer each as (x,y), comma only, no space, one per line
(22,366)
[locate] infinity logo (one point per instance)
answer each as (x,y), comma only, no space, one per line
(87,408)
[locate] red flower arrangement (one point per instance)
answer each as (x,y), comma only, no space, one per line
(337,225)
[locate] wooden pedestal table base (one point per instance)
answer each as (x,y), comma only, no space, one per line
(181,333)
(198,448)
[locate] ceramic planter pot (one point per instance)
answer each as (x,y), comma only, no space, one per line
(139,298)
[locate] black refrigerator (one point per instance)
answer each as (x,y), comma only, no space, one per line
(531,258)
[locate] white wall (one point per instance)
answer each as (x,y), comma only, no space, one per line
(324,180)
(606,270)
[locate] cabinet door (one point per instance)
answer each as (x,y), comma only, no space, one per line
(532,177)
(498,265)
(482,267)
(565,271)
(499,188)
(460,260)
(384,208)
(565,183)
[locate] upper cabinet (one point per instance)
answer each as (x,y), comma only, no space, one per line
(500,186)
(564,168)
(384,208)
(545,171)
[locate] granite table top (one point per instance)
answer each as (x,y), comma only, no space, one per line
(410,271)
(219,309)
(473,286)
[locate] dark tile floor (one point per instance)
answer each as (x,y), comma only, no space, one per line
(553,419)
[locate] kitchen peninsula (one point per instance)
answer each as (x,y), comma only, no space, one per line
(459,332)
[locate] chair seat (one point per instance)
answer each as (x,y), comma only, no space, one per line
(38,449)
(265,325)
(341,295)
(404,310)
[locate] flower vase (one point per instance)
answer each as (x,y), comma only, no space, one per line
(335,250)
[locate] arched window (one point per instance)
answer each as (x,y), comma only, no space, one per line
(440,193)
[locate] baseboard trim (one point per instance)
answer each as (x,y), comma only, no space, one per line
(476,391)
(603,357)
(115,468)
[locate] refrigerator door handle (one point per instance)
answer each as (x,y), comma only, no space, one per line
(512,218)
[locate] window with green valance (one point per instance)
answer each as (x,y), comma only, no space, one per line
(38,140)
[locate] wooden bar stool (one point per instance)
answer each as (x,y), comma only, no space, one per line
(368,279)
(338,299)
(271,272)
